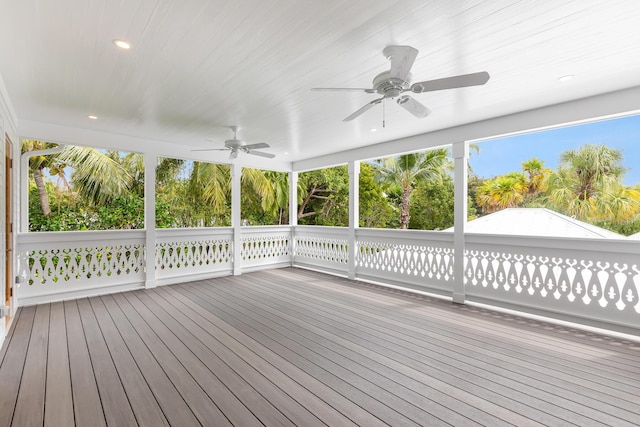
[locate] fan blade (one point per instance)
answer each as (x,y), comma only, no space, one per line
(211,149)
(342,89)
(413,106)
(366,107)
(258,145)
(464,80)
(402,59)
(233,154)
(261,154)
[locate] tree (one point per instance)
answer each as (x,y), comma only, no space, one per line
(536,175)
(505,191)
(406,170)
(95,175)
(324,197)
(375,210)
(265,196)
(432,205)
(588,185)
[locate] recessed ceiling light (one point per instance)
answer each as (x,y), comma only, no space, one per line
(566,78)
(122,44)
(92,117)
(373,130)
(285,153)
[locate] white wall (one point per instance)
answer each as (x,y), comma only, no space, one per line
(8,124)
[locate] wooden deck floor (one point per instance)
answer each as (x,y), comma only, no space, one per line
(294,347)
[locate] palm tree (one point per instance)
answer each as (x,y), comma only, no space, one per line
(211,182)
(262,186)
(588,185)
(501,192)
(96,176)
(536,174)
(405,170)
(594,166)
(280,184)
(37,165)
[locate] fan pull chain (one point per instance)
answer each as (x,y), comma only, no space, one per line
(383,116)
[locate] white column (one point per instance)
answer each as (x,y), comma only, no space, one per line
(150,162)
(293,211)
(460,156)
(236,217)
(354,215)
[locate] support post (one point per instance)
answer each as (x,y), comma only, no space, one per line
(293,212)
(354,215)
(150,162)
(460,157)
(236,218)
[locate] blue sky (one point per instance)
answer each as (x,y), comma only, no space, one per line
(504,155)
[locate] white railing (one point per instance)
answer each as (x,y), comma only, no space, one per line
(193,253)
(592,281)
(265,247)
(417,259)
(323,248)
(595,280)
(66,265)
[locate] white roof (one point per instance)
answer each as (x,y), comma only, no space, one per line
(634,236)
(536,222)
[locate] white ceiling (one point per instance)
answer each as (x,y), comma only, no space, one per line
(199,65)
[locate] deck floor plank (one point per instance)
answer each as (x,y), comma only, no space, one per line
(172,403)
(379,362)
(409,349)
(252,400)
(473,336)
(532,335)
(146,410)
(115,401)
(205,410)
(454,396)
(229,405)
(13,363)
(59,397)
(259,358)
(264,337)
(87,407)
(29,409)
(292,347)
(199,325)
(3,349)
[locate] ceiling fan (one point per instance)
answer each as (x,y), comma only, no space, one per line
(393,83)
(235,145)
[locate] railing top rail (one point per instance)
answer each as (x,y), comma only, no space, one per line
(575,243)
(264,229)
(80,236)
(199,231)
(406,235)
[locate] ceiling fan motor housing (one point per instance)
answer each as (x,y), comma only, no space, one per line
(388,86)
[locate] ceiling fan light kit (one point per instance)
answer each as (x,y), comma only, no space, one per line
(393,83)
